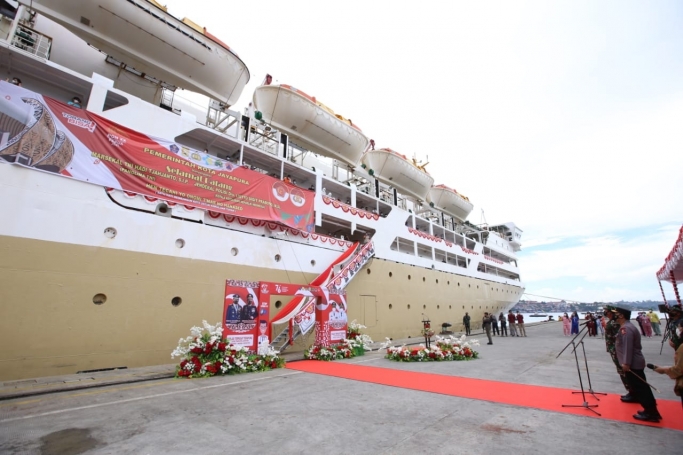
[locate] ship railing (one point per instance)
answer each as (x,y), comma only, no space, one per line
(31,41)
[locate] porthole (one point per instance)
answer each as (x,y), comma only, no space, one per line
(448,283)
(424,279)
(313,262)
(234,251)
(179,243)
(408,276)
(437,281)
(409,306)
(449,307)
(368,271)
(458,284)
(278,304)
(424,307)
(110,233)
(277,258)
(390,274)
(99,299)
(390,306)
(477,286)
(438,306)
(175,301)
(469,285)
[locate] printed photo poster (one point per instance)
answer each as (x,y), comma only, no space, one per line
(331,318)
(45,134)
(241,310)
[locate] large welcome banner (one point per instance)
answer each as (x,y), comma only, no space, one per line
(45,134)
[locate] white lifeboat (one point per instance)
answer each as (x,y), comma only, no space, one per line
(310,123)
(140,34)
(396,170)
(450,201)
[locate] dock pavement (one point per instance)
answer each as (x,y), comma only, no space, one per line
(146,411)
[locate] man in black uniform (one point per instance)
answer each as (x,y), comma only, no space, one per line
(249,312)
(466,323)
(675,314)
(630,355)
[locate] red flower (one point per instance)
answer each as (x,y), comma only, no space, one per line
(208,348)
(196,350)
(222,346)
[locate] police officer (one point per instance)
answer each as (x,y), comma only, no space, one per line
(611,330)
(630,355)
(466,323)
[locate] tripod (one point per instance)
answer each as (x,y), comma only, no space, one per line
(667,333)
(583,392)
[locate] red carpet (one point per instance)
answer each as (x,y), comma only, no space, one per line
(529,396)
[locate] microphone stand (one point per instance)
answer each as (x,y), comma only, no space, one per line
(585,404)
(590,386)
(572,340)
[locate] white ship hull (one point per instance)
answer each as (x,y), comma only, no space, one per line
(308,124)
(92,278)
(395,170)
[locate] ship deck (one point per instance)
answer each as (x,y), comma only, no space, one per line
(311,413)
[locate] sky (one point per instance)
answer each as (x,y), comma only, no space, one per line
(565,117)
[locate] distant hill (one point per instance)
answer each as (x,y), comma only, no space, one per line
(531,306)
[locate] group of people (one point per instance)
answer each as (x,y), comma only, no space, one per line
(237,313)
(649,323)
(623,343)
(493,325)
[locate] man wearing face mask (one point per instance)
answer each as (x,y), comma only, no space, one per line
(630,355)
(611,331)
(676,371)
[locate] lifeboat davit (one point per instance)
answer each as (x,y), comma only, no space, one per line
(310,123)
(396,170)
(450,201)
(140,34)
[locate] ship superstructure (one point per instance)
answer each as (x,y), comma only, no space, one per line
(105,278)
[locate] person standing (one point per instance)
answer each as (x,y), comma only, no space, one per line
(676,371)
(654,321)
(647,325)
(466,323)
(630,355)
(486,323)
(520,325)
(494,325)
(511,323)
(575,323)
(611,330)
(566,324)
(503,324)
(640,324)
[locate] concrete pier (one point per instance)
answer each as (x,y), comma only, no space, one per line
(284,411)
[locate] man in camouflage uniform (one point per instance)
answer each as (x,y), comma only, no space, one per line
(611,330)
(630,355)
(675,315)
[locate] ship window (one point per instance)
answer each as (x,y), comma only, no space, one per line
(438,306)
(278,304)
(234,251)
(312,261)
(424,279)
(180,243)
(175,301)
(424,307)
(390,306)
(390,274)
(99,299)
(368,271)
(437,281)
(409,306)
(110,233)
(408,276)
(277,258)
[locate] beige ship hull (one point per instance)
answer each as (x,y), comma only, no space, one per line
(50,325)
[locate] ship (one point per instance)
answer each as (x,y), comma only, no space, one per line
(125,214)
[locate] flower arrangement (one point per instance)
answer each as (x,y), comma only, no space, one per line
(445,348)
(355,344)
(207,353)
